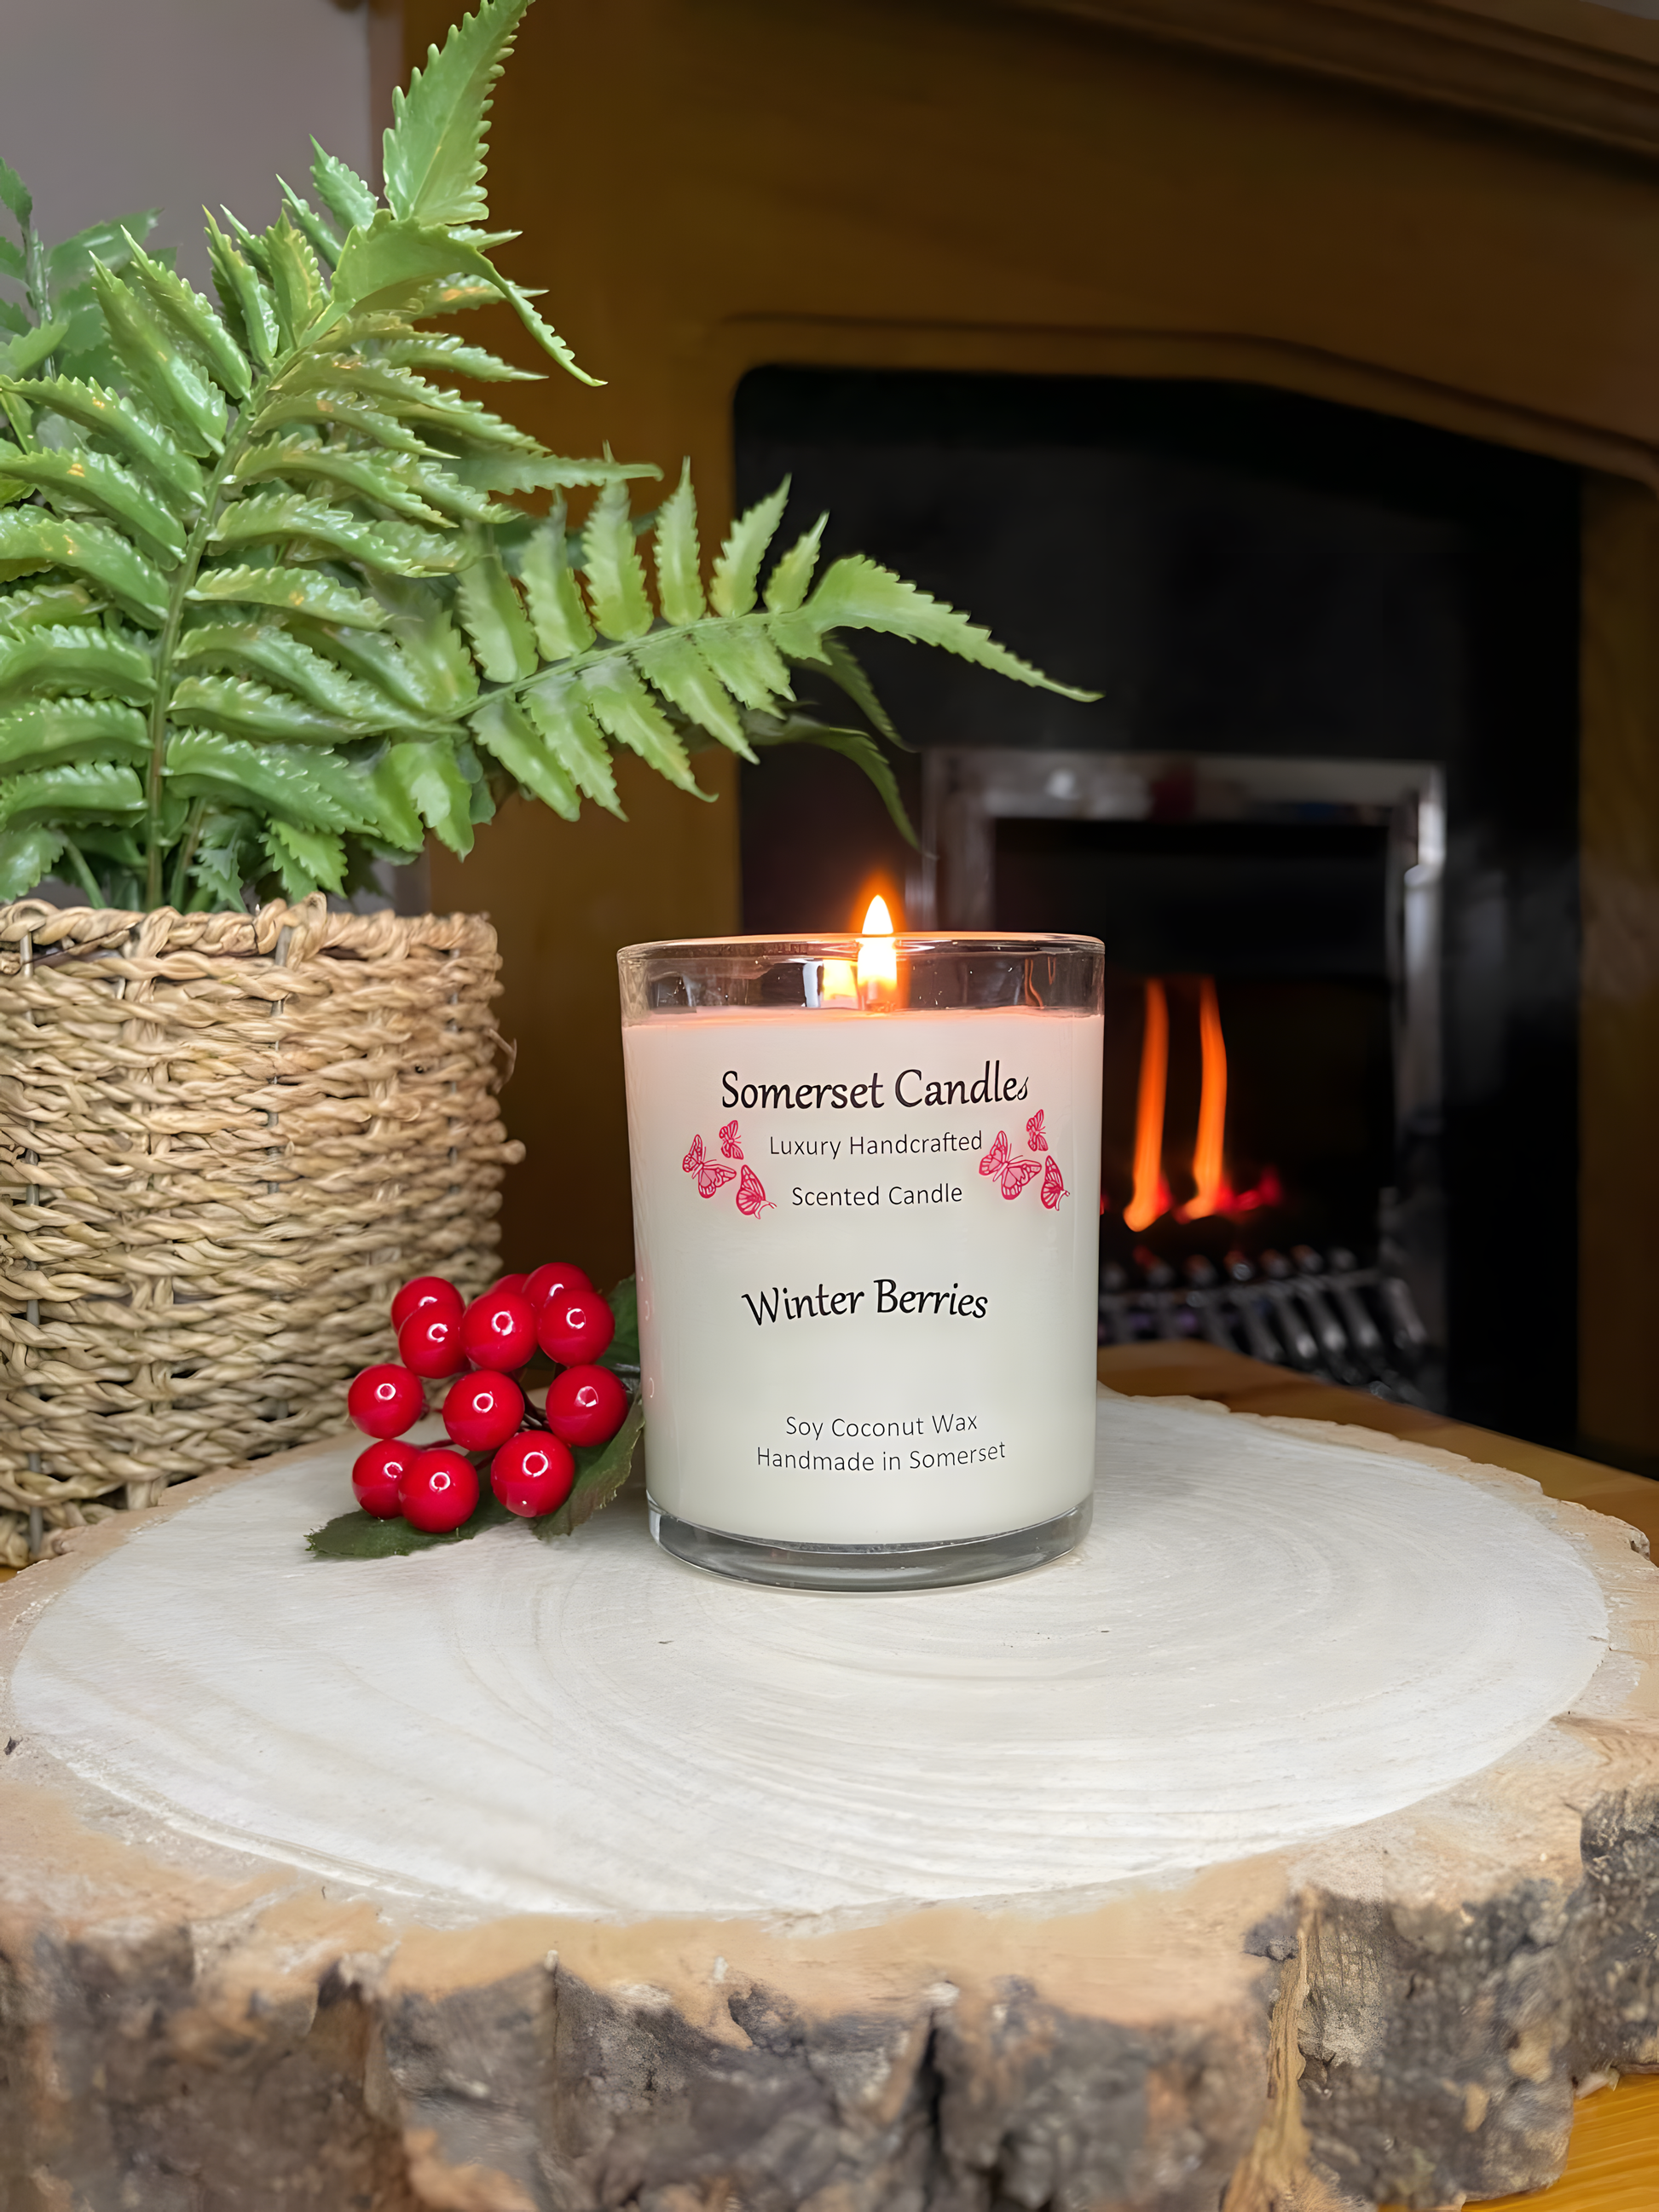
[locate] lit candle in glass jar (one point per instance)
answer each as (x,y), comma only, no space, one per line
(866,1220)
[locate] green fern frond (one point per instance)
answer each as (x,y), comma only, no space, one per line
(268,609)
(434,151)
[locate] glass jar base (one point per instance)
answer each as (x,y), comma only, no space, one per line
(872,1566)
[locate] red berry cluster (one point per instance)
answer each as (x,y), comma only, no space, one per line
(556,1311)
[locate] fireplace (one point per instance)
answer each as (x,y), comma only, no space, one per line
(1324,817)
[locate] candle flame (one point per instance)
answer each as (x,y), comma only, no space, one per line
(878,957)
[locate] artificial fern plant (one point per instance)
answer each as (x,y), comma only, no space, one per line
(268,610)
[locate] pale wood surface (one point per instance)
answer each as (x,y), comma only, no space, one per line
(1614,2162)
(465,2062)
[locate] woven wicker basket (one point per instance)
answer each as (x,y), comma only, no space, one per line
(223,1141)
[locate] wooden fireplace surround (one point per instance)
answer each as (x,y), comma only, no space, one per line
(1445,212)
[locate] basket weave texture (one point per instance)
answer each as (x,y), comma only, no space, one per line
(224,1139)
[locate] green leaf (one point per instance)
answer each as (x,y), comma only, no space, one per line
(32,540)
(745,661)
(182,307)
(15,193)
(507,472)
(12,262)
(679,559)
(380,660)
(504,730)
(265,651)
(434,653)
(323,241)
(393,480)
(434,158)
(91,788)
(400,393)
(672,663)
(276,518)
(347,198)
(340,411)
(27,856)
(624,1304)
(42,732)
(123,421)
(786,587)
(52,658)
(732,588)
(451,357)
(297,591)
(601,1471)
(25,354)
(856,746)
(616,574)
(360,1536)
(427,776)
(48,604)
(76,478)
(191,407)
(225,858)
(248,709)
(557,607)
(558,709)
(633,717)
(304,784)
(297,291)
(858,594)
(846,670)
(305,859)
(243,295)
(494,620)
(70,265)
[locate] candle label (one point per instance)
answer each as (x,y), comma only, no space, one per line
(867,1252)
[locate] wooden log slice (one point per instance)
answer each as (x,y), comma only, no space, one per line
(1293,1841)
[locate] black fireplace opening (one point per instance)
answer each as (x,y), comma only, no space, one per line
(1324,817)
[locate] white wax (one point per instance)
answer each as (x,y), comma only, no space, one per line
(896,1346)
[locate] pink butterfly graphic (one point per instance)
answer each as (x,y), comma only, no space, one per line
(1017,1174)
(1054,1186)
(997,1158)
(710,1176)
(1034,1136)
(751,1194)
(729,1144)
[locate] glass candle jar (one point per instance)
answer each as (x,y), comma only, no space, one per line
(866,1210)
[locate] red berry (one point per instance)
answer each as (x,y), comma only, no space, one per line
(575,1326)
(438,1492)
(426,1293)
(482,1411)
(385,1400)
(431,1344)
(510,1283)
(499,1330)
(376,1473)
(532,1474)
(587,1405)
(557,1275)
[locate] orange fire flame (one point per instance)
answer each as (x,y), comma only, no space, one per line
(1209,1174)
(1151,1195)
(1212,1194)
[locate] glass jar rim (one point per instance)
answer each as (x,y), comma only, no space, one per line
(845,945)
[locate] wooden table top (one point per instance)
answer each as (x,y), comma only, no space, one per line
(1613,2164)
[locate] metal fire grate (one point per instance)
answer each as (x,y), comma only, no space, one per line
(1327,1316)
